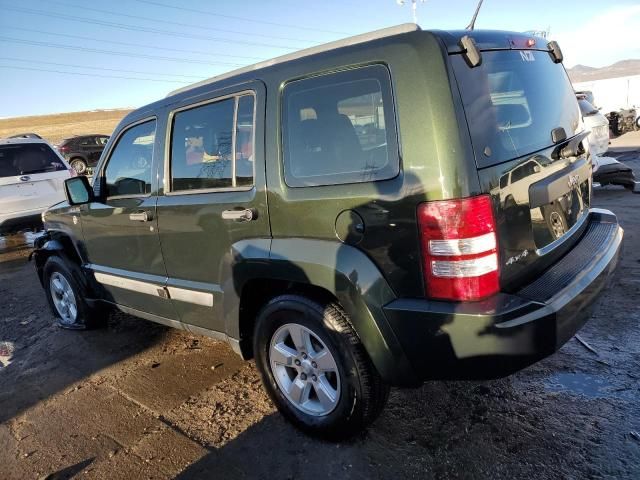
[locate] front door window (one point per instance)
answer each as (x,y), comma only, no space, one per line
(129,169)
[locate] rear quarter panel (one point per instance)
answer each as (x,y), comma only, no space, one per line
(435,159)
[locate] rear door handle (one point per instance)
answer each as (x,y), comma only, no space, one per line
(140,216)
(240,215)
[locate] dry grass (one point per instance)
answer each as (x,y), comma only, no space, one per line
(63,125)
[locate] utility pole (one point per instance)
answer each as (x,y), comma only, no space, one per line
(414,8)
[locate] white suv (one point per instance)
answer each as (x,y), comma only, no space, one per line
(32,176)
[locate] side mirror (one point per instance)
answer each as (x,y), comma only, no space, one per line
(78,191)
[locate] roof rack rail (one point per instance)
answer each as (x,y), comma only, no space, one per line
(365,37)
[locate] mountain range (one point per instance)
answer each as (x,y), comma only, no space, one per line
(623,68)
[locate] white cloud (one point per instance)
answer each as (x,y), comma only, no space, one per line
(604,39)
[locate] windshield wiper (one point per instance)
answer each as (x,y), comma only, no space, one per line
(567,148)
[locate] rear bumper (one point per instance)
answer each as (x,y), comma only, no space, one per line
(505,333)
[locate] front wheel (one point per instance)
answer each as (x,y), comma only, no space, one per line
(66,296)
(315,368)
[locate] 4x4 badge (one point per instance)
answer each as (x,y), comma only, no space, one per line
(518,257)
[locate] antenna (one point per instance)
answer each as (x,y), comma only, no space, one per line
(475,15)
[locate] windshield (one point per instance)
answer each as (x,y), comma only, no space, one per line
(513,101)
(28,159)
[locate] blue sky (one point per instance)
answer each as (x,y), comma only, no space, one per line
(159,48)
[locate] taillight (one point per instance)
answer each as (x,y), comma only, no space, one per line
(63,149)
(459,248)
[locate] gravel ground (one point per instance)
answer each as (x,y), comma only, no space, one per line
(138,400)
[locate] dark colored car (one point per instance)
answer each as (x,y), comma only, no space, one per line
(338,214)
(83,151)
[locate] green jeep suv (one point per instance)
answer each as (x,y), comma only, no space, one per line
(399,206)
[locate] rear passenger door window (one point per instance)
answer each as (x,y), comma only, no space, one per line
(212,145)
(340,128)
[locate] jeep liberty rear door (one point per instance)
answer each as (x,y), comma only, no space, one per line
(214,204)
(523,118)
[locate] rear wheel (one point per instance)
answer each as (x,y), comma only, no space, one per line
(79,165)
(66,297)
(315,368)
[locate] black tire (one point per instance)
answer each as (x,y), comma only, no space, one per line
(86,317)
(363,394)
(80,163)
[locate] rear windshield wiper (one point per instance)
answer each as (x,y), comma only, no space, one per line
(567,148)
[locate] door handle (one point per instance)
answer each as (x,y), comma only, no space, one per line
(140,216)
(240,215)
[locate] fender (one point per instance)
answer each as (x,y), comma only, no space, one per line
(45,245)
(42,248)
(342,270)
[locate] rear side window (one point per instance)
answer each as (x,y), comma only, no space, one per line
(128,169)
(340,128)
(28,159)
(513,101)
(212,145)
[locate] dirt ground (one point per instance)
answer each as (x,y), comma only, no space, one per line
(138,400)
(58,126)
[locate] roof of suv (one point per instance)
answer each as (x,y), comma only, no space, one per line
(345,42)
(21,140)
(450,41)
(484,39)
(78,137)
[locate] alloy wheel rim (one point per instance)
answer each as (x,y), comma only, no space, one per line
(78,166)
(304,369)
(63,298)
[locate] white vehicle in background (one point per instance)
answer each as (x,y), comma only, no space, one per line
(32,176)
(598,124)
(606,170)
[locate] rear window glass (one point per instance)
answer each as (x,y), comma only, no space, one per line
(28,159)
(513,101)
(339,128)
